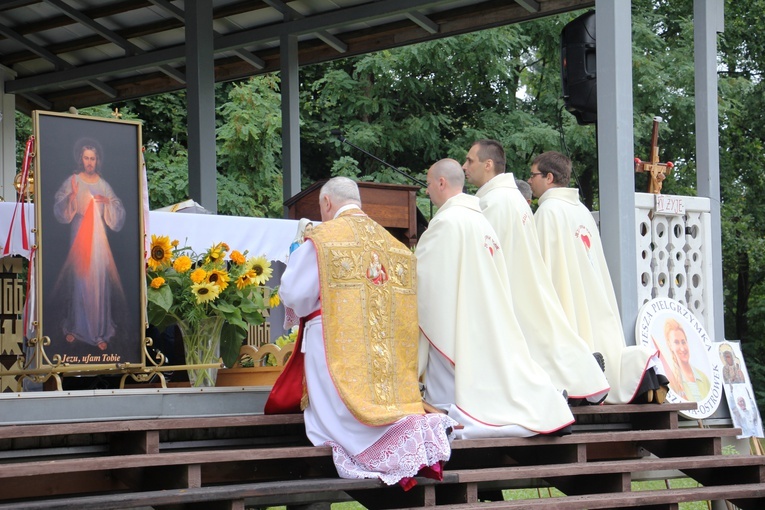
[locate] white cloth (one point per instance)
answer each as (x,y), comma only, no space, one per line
(553,343)
(477,358)
(260,236)
(572,249)
(359,451)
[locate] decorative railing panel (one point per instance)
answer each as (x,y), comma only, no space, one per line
(674,254)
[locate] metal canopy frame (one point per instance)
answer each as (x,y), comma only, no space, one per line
(77,53)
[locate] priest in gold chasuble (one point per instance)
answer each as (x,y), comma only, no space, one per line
(357,284)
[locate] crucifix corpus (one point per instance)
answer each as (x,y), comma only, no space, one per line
(657,171)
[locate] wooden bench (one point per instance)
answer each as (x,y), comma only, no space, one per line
(223,462)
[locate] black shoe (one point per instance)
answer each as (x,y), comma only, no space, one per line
(576,402)
(601,360)
(645,392)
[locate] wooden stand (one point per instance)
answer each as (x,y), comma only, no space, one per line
(391,205)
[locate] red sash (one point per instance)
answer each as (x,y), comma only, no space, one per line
(287,392)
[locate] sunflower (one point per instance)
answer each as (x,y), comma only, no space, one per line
(205,291)
(219,278)
(247,278)
(237,257)
(182,264)
(216,253)
(274,300)
(157,282)
(198,275)
(174,243)
(160,253)
(262,269)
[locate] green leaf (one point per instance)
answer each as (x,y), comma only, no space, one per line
(162,297)
(230,342)
(223,307)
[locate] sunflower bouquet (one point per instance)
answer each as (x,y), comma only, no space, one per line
(210,296)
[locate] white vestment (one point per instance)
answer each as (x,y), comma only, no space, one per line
(389,452)
(571,248)
(477,363)
(553,343)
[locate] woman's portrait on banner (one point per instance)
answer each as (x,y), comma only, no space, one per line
(688,377)
(687,354)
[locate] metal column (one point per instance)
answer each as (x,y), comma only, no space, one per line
(708,20)
(7,137)
(290,88)
(615,154)
(200,96)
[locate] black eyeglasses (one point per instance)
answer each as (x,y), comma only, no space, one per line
(534,174)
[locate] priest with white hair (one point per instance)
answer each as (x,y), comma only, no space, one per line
(354,286)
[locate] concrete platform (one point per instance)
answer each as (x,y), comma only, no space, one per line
(129,404)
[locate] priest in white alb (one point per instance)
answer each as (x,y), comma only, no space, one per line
(473,353)
(554,345)
(354,286)
(573,253)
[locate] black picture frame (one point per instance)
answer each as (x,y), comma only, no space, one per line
(89,263)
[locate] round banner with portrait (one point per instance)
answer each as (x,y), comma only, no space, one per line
(688,357)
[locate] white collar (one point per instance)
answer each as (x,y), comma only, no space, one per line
(344,208)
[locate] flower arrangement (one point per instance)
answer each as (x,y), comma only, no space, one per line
(215,295)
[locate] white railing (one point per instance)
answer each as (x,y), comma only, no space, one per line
(674,255)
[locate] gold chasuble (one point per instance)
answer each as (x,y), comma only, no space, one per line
(369,316)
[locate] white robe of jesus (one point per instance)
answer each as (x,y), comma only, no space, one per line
(474,355)
(553,343)
(388,452)
(572,249)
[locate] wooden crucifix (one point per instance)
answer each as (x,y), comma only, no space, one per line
(657,171)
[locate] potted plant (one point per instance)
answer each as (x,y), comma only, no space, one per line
(212,297)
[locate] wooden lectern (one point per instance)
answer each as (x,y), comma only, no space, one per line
(393,206)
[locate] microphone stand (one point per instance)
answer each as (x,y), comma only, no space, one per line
(345,140)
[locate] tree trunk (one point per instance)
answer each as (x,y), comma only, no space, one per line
(742,296)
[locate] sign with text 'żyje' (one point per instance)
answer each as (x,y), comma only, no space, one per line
(669,205)
(686,352)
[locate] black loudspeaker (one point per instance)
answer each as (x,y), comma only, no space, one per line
(578,68)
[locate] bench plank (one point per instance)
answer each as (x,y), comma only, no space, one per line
(749,495)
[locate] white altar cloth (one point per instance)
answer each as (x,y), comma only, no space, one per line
(260,236)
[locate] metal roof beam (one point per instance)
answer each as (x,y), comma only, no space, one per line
(112,36)
(38,100)
(424,22)
(249,57)
(323,21)
(57,61)
(231,42)
(291,14)
(82,73)
(529,5)
(109,35)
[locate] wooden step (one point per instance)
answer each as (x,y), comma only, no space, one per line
(21,469)
(748,496)
(106,427)
(705,462)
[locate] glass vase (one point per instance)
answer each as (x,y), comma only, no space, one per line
(202,346)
